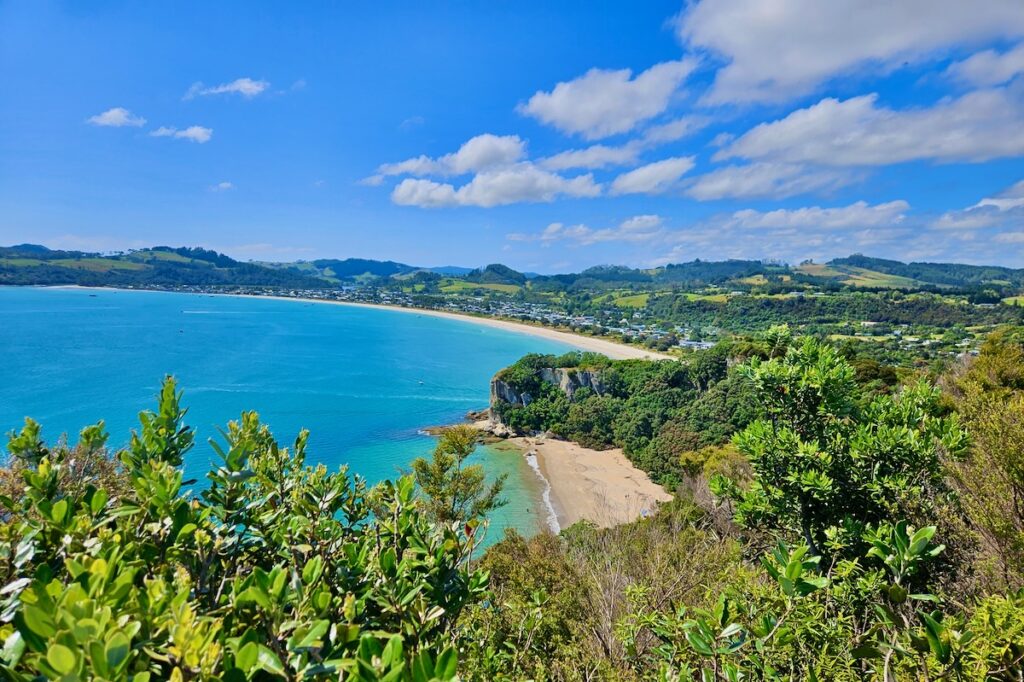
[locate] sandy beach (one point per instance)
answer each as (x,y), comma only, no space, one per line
(600,486)
(615,351)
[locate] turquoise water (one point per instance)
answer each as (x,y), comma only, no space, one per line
(363,381)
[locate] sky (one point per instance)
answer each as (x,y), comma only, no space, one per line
(549,136)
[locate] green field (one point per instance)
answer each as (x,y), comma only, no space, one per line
(461,286)
(632,301)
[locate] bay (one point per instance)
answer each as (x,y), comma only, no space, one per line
(364,381)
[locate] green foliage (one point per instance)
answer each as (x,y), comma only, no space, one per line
(277,571)
(654,411)
(456,493)
(989,396)
(825,469)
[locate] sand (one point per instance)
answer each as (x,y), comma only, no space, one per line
(601,486)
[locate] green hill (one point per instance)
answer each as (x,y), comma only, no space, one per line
(154,267)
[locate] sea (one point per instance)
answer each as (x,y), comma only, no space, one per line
(364,381)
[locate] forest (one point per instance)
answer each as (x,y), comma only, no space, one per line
(856,528)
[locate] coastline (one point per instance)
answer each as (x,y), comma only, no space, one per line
(600,486)
(611,349)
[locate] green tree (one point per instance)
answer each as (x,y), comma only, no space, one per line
(457,493)
(826,469)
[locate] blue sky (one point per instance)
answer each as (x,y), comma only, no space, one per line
(548,136)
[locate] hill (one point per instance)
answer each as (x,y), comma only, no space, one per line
(160,266)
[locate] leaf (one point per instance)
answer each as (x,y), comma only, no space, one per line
(447,664)
(61,658)
(117,649)
(247,657)
(269,661)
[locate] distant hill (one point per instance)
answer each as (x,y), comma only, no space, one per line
(496,273)
(157,266)
(452,270)
(171,266)
(949,274)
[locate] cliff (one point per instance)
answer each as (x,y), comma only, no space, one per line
(567,380)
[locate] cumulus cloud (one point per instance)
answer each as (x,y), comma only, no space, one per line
(522,182)
(980,125)
(989,67)
(197,134)
(604,156)
(605,102)
(246,87)
(765,180)
(593,157)
(222,186)
(1005,209)
(640,228)
(483,152)
(654,178)
(118,117)
(856,215)
(786,48)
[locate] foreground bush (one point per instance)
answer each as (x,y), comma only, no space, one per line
(275,570)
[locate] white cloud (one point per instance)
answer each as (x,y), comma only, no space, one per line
(786,48)
(1002,210)
(603,156)
(653,178)
(988,68)
(222,186)
(978,126)
(673,130)
(856,215)
(117,117)
(605,102)
(640,228)
(246,87)
(595,156)
(522,182)
(765,180)
(197,134)
(1010,238)
(483,152)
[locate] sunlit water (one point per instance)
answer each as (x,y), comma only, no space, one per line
(363,381)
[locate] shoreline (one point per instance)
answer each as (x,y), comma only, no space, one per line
(600,486)
(611,349)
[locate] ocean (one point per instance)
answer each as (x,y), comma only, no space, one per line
(364,381)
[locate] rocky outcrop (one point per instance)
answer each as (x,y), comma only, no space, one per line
(568,380)
(571,380)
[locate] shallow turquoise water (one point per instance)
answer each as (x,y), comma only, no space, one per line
(363,381)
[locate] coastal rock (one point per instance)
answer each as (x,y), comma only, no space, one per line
(567,380)
(571,380)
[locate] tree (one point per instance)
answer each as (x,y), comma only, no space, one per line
(827,469)
(456,493)
(278,571)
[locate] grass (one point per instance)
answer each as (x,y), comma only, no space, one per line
(97,264)
(633,301)
(459,286)
(714,298)
(1014,300)
(859,277)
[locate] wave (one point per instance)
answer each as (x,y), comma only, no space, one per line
(552,517)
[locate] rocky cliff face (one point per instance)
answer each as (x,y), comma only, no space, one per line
(567,380)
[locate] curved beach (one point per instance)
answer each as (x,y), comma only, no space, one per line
(612,349)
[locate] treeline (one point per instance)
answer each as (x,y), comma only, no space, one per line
(863,535)
(746,314)
(34,265)
(868,536)
(670,418)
